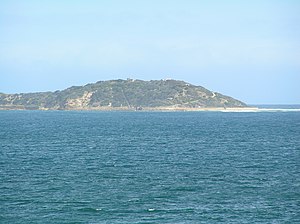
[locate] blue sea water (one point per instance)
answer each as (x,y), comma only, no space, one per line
(149,167)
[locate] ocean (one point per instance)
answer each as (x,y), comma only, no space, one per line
(149,167)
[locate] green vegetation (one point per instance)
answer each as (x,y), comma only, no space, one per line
(130,94)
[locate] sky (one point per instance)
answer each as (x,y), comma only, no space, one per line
(249,50)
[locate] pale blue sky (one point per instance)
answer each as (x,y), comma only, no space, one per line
(246,49)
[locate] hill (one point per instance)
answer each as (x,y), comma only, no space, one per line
(121,94)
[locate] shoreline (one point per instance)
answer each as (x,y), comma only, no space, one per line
(138,109)
(159,109)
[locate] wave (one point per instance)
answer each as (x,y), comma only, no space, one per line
(251,110)
(278,110)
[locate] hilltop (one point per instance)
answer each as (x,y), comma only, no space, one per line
(121,94)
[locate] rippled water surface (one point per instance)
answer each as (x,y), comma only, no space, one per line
(142,167)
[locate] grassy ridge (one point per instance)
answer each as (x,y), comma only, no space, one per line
(121,94)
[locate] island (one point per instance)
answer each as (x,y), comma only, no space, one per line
(129,95)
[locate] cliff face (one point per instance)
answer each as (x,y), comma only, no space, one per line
(121,94)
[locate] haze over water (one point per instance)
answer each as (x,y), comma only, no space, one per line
(149,167)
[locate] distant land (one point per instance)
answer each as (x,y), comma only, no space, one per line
(121,94)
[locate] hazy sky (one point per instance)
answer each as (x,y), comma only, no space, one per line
(246,49)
